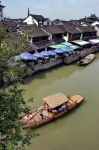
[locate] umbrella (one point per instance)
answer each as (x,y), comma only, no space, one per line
(27,56)
(59,51)
(38,55)
(45,53)
(66,44)
(51,53)
(57,46)
(67,49)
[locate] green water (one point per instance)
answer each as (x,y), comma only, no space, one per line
(78,130)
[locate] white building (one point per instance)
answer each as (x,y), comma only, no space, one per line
(1,12)
(30,20)
(95,23)
(38,20)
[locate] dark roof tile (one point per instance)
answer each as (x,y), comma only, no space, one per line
(52,29)
(86,29)
(38,17)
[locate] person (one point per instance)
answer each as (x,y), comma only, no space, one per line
(40,110)
(41,114)
(28,116)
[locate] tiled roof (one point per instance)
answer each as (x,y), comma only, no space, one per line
(52,29)
(35,31)
(70,27)
(63,28)
(84,29)
(38,17)
(38,32)
(41,45)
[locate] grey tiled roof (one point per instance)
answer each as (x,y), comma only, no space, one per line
(53,29)
(38,17)
(38,32)
(84,29)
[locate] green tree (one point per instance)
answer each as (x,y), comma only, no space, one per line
(12,105)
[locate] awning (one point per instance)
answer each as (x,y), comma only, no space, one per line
(80,42)
(57,46)
(27,56)
(94,41)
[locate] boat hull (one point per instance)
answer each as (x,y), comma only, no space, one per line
(37,121)
(86,60)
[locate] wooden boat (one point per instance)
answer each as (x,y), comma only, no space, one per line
(86,60)
(53,107)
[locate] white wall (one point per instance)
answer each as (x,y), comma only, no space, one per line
(66,37)
(97,29)
(30,20)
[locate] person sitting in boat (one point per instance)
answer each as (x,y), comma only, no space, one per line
(28,116)
(63,107)
(54,110)
(40,111)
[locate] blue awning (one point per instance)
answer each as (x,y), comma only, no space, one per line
(27,56)
(38,55)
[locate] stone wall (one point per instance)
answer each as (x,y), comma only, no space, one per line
(75,57)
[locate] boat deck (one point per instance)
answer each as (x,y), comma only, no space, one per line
(37,120)
(42,116)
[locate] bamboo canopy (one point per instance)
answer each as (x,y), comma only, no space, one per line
(55,100)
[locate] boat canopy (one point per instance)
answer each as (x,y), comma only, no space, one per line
(55,100)
(94,41)
(57,46)
(80,42)
(27,56)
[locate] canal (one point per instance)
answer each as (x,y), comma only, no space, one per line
(78,130)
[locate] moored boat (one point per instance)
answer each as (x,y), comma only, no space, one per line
(86,60)
(53,107)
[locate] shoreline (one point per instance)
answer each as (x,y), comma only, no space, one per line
(67,60)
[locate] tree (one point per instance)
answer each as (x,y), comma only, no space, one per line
(12,105)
